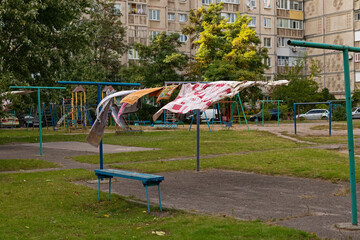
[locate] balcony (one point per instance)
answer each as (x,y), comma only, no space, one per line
(290,33)
(137,19)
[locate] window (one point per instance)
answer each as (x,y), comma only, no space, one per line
(282,4)
(183,38)
(357,76)
(289,23)
(282,60)
(182,17)
(268,62)
(251,4)
(137,8)
(282,42)
(116,10)
(154,15)
(267,42)
(290,5)
(267,22)
(153,34)
(171,16)
(133,54)
(229,1)
(230,16)
(296,5)
(252,23)
(357,15)
(357,57)
(206,2)
(267,3)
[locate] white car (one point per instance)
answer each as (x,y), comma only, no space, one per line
(355,112)
(314,114)
(210,115)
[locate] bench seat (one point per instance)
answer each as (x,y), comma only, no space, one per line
(147,180)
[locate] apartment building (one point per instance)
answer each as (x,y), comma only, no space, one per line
(274,21)
(334,22)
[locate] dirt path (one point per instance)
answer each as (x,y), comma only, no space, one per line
(306,204)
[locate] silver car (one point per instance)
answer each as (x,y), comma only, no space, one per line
(314,114)
(356,112)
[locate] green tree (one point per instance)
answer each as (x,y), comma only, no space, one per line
(100,60)
(226,51)
(36,37)
(158,62)
(356,98)
(301,88)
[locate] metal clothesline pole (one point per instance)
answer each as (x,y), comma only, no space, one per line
(99,84)
(345,50)
(39,107)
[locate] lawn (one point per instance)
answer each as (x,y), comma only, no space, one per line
(175,144)
(307,163)
(48,205)
(32,136)
(24,164)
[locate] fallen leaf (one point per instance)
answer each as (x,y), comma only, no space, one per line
(27,227)
(138,228)
(159,233)
(107,216)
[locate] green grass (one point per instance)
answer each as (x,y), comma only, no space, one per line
(24,164)
(32,136)
(175,144)
(324,139)
(48,205)
(307,163)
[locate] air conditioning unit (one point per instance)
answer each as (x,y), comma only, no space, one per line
(294,49)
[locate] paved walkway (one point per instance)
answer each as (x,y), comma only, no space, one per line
(306,204)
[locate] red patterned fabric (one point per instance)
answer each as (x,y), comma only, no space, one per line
(202,95)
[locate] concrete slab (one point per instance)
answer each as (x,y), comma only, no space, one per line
(85,147)
(307,204)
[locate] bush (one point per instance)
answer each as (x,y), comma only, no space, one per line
(147,111)
(339,114)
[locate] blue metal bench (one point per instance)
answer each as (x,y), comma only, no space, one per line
(147,180)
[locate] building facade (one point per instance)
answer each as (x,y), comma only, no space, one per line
(275,21)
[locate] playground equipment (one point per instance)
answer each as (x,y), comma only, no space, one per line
(48,116)
(278,108)
(313,103)
(39,106)
(230,113)
(98,85)
(345,50)
(74,110)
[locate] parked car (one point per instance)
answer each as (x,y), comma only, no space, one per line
(9,121)
(273,112)
(29,121)
(356,112)
(210,115)
(314,114)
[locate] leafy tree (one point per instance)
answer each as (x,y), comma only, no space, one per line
(356,98)
(36,37)
(301,88)
(100,60)
(158,62)
(226,51)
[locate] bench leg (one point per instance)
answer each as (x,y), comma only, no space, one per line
(159,196)
(147,199)
(98,189)
(109,188)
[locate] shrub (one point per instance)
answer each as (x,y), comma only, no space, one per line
(339,114)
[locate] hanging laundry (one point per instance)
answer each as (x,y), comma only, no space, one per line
(166,93)
(202,95)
